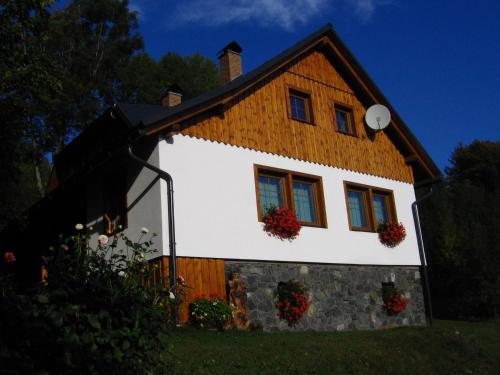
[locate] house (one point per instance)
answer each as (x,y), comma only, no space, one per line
(289,133)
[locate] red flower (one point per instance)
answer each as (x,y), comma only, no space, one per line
(9,257)
(396,304)
(181,280)
(292,304)
(391,234)
(281,223)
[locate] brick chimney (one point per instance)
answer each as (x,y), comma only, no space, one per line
(230,62)
(171,96)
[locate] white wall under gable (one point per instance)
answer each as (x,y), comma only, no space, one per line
(216,209)
(143,199)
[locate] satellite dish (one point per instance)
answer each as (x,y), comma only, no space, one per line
(378,117)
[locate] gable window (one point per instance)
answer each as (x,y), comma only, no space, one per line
(299,192)
(344,119)
(300,105)
(368,206)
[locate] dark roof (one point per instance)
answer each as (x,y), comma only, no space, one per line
(140,114)
(143,116)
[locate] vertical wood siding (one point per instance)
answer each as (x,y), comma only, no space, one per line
(203,276)
(259,120)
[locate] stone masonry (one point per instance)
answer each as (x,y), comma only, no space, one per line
(344,297)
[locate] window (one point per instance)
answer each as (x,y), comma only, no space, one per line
(300,106)
(368,206)
(344,119)
(114,203)
(300,192)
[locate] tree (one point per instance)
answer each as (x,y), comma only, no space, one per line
(461,230)
(140,81)
(143,79)
(26,72)
(195,74)
(90,41)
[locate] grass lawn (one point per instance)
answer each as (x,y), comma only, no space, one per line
(449,348)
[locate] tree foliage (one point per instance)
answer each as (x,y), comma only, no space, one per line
(462,233)
(90,41)
(143,79)
(26,73)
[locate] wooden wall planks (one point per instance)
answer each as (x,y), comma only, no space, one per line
(259,120)
(202,275)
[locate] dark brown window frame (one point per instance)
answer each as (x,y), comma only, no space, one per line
(308,107)
(349,110)
(287,191)
(368,192)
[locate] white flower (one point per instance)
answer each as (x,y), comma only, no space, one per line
(144,230)
(121,273)
(79,226)
(172,295)
(102,239)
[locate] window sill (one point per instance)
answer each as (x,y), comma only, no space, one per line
(366,230)
(322,226)
(346,133)
(301,121)
(311,225)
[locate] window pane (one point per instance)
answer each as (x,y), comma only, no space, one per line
(342,121)
(357,209)
(298,107)
(303,199)
(270,193)
(380,206)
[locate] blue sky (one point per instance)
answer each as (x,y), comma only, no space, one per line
(438,62)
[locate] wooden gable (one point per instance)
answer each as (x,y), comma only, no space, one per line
(259,119)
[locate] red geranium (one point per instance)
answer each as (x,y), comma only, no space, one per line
(9,257)
(281,223)
(396,303)
(292,302)
(391,234)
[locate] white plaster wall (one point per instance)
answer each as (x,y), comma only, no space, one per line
(216,209)
(143,200)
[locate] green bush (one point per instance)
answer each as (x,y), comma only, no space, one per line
(93,314)
(209,312)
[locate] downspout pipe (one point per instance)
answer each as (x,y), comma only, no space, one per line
(171,221)
(421,251)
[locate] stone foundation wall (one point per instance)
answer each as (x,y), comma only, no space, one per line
(343,296)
